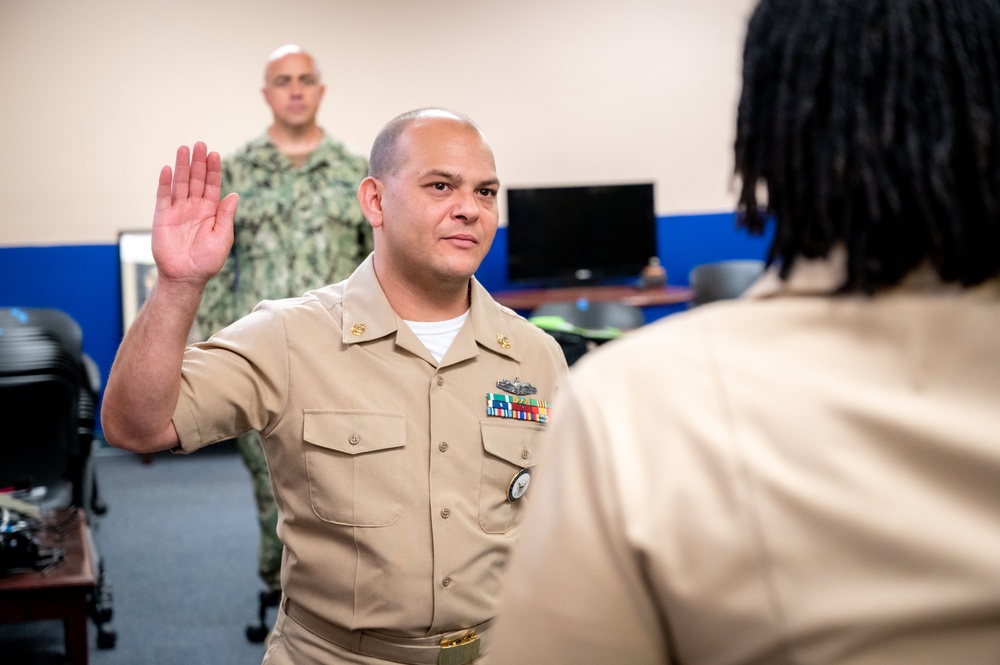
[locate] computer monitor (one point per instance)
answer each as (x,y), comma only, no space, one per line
(562,236)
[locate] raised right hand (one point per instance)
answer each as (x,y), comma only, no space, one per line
(192,229)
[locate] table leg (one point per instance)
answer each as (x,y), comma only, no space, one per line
(75,625)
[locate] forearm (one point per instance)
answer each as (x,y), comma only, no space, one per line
(192,236)
(144,383)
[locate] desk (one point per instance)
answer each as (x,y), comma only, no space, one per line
(62,592)
(528,299)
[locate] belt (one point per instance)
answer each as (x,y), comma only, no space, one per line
(452,648)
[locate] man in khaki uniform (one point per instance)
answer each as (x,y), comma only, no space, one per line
(400,409)
(810,474)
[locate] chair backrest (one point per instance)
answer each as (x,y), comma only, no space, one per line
(722,280)
(43,385)
(594,315)
(55,322)
(581,325)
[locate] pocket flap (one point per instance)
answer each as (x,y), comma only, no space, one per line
(354,432)
(514,443)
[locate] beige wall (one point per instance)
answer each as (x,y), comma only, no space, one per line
(97,95)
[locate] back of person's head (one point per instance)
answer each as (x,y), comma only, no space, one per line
(874,124)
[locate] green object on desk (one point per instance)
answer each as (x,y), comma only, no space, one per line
(559,324)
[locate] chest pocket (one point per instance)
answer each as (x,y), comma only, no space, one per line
(507,449)
(354,464)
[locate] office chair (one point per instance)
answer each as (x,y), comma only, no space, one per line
(48,402)
(581,325)
(722,280)
(257,632)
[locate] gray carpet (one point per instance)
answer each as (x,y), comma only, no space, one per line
(179,542)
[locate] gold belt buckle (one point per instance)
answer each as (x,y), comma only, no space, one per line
(459,652)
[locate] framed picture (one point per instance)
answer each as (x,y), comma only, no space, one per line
(138,272)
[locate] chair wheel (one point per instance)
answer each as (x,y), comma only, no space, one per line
(106,638)
(270,598)
(257,634)
(102,614)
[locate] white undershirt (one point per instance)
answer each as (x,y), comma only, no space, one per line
(437,336)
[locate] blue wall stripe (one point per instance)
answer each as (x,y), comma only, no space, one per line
(83,280)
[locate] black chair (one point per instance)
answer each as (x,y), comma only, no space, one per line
(581,325)
(722,280)
(48,401)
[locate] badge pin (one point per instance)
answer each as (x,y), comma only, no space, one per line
(503,341)
(519,485)
(358,329)
(516,387)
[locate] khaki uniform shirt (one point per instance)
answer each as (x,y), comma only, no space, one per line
(391,481)
(793,477)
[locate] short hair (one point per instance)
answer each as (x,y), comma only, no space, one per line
(874,124)
(384,158)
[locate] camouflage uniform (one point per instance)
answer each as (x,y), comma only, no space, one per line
(296,229)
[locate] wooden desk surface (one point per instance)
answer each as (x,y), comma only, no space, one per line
(59,592)
(76,569)
(530,298)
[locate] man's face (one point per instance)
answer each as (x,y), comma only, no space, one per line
(439,209)
(293,90)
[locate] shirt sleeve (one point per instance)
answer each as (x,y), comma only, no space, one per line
(234,382)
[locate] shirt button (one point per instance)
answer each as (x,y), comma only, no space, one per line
(445,513)
(525,453)
(355,439)
(446,581)
(443,446)
(440,380)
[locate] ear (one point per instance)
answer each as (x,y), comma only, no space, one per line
(370,198)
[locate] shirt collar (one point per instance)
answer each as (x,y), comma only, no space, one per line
(491,325)
(808,277)
(367,312)
(368,316)
(824,276)
(263,152)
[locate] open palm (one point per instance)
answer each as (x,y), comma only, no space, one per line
(192,228)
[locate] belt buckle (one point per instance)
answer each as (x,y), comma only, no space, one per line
(459,652)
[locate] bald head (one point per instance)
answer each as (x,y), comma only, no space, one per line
(286,50)
(385,155)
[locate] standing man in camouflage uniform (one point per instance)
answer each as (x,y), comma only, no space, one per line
(299,227)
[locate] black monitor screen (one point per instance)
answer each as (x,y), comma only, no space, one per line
(559,236)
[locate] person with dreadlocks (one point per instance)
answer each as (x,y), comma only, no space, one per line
(810,473)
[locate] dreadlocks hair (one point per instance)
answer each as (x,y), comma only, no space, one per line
(874,124)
